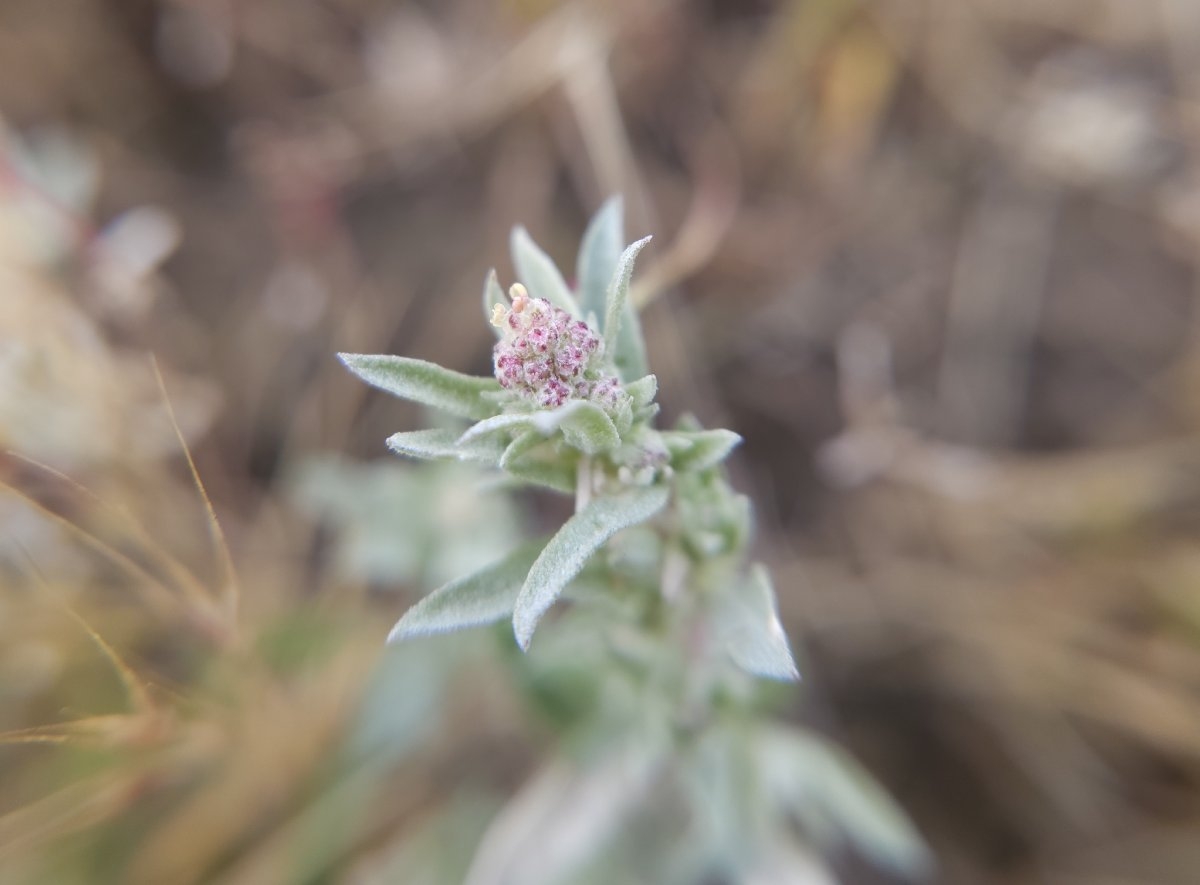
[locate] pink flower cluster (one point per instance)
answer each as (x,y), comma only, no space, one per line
(547,358)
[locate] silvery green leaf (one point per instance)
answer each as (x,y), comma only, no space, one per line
(753,635)
(517,422)
(622,415)
(643,391)
(581,536)
(627,347)
(564,816)
(553,473)
(443,443)
(519,447)
(701,449)
(539,273)
(785,863)
(484,597)
(715,776)
(492,295)
(630,356)
(424,382)
(599,254)
(586,427)
(832,795)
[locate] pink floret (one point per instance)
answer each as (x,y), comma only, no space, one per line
(546,357)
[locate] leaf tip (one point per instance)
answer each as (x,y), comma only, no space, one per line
(397,634)
(523,630)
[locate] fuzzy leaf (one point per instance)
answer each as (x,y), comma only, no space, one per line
(565,817)
(539,273)
(754,637)
(588,428)
(630,356)
(518,423)
(443,443)
(643,391)
(700,450)
(599,254)
(424,382)
(627,348)
(492,295)
(555,474)
(484,597)
(835,797)
(581,536)
(520,446)
(585,426)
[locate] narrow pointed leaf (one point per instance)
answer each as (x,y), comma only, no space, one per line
(424,382)
(566,818)
(585,426)
(700,450)
(833,795)
(754,636)
(492,295)
(484,597)
(630,356)
(581,536)
(599,254)
(516,423)
(443,443)
(539,273)
(627,348)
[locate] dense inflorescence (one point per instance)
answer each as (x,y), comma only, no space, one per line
(671,622)
(546,357)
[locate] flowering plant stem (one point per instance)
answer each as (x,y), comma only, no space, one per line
(652,669)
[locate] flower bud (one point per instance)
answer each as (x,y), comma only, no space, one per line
(546,357)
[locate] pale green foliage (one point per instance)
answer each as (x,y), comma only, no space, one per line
(604,290)
(598,256)
(836,800)
(424,382)
(623,342)
(700,449)
(484,597)
(650,665)
(445,443)
(752,632)
(568,550)
(443,526)
(584,426)
(539,274)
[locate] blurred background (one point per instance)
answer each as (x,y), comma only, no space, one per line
(935,260)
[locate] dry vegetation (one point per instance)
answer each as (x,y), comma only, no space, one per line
(936,260)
